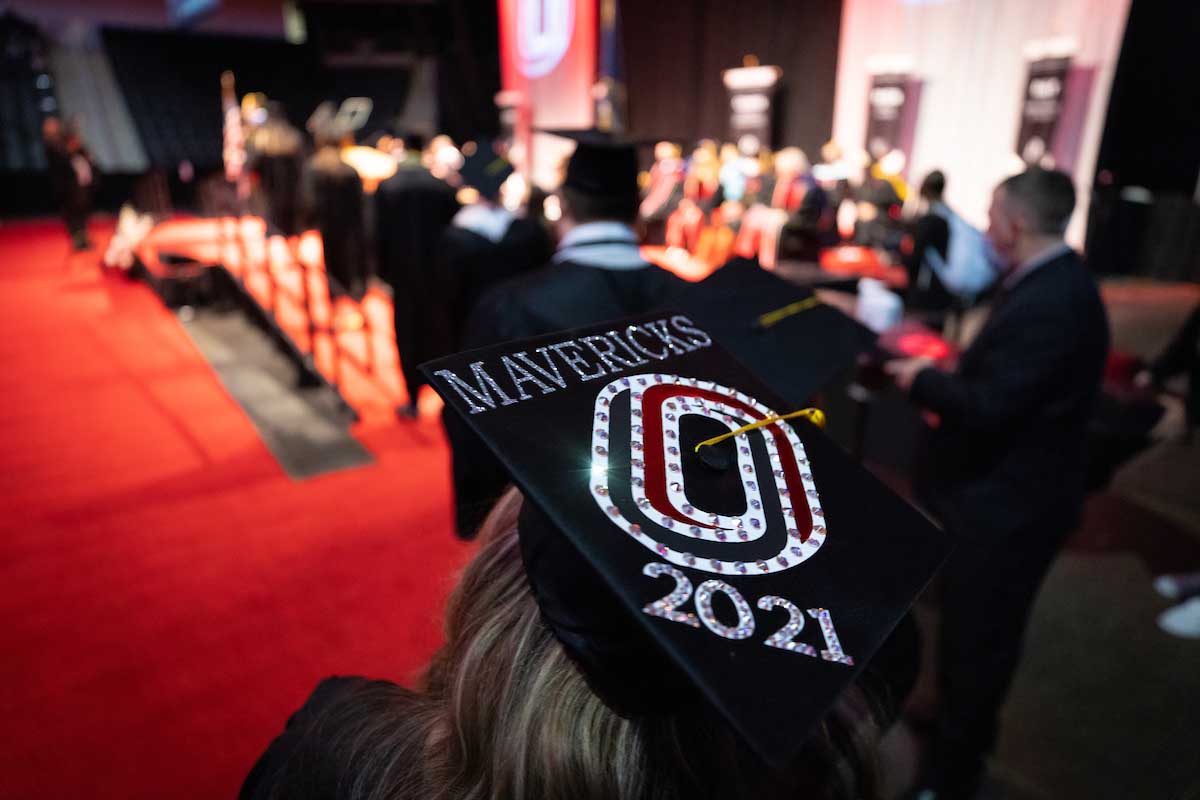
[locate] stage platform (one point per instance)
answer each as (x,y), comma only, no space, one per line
(346,343)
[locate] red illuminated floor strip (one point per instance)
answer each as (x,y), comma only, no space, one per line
(352,343)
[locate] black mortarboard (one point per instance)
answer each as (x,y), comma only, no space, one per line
(602,164)
(780,330)
(485,170)
(763,587)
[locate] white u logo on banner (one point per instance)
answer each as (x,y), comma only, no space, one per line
(544,29)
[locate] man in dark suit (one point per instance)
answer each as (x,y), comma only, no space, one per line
(596,274)
(1007,460)
(412,208)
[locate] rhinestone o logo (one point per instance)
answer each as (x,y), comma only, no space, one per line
(642,427)
(544,29)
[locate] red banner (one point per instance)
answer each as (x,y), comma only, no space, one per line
(548,58)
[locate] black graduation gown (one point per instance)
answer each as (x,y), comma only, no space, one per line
(279,174)
(558,297)
(1006,476)
(412,209)
(72,198)
(343,738)
(469,264)
(926,292)
(333,202)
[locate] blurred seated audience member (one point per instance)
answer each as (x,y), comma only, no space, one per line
(412,209)
(507,710)
(890,167)
(701,194)
(485,242)
(929,231)
(949,261)
(596,274)
(703,183)
(833,176)
(1007,468)
(758,226)
(833,173)
(810,217)
(331,200)
(880,201)
(731,174)
(663,191)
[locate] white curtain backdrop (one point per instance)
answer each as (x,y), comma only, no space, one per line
(971,57)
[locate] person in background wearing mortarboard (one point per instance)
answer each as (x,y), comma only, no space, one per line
(597,273)
(332,200)
(1008,464)
(412,208)
(485,243)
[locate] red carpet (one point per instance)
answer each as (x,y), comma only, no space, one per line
(167,594)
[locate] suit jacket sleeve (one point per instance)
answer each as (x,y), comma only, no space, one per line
(1010,378)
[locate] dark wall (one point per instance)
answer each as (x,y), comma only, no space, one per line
(469,70)
(675,51)
(1152,132)
(1152,140)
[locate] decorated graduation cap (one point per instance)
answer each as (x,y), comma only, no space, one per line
(603,164)
(682,539)
(778,329)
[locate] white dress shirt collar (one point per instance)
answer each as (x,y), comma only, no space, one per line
(1040,259)
(606,245)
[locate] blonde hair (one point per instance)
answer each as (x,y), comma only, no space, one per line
(503,712)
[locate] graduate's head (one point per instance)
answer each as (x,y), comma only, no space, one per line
(934,186)
(791,161)
(1028,211)
(414,143)
(511,713)
(484,170)
(582,207)
(601,180)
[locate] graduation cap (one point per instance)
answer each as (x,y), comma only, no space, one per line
(485,170)
(762,585)
(603,164)
(778,329)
